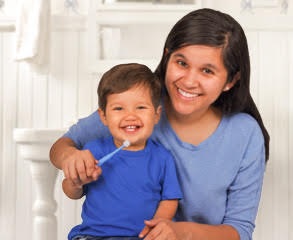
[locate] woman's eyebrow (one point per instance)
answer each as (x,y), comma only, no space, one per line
(209,65)
(179,55)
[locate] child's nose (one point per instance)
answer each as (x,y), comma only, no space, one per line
(131,115)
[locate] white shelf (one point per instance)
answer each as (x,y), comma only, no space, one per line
(7,24)
(120,14)
(101,66)
(117,15)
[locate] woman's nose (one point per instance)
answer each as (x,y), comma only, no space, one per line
(191,79)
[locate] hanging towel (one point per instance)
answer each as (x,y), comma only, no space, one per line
(33,33)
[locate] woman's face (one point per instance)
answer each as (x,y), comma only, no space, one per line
(195,77)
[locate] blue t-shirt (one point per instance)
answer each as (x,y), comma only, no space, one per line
(129,190)
(221,178)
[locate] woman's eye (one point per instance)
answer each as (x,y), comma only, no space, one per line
(182,63)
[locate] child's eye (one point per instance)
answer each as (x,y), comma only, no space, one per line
(117,108)
(141,107)
(207,70)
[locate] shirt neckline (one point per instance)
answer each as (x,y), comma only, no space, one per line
(214,137)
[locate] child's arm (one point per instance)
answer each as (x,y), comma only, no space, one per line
(166,210)
(72,190)
(75,191)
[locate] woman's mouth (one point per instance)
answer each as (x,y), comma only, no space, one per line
(187,94)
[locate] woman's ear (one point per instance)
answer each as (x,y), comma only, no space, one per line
(231,84)
(102,116)
(166,51)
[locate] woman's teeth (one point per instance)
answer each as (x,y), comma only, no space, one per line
(186,94)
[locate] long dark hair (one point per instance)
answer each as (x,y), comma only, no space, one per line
(214,28)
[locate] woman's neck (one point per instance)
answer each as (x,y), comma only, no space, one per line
(196,127)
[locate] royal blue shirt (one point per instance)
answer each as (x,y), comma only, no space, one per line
(129,190)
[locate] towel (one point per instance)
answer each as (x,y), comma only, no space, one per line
(33,34)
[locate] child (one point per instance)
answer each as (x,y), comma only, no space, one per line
(139,182)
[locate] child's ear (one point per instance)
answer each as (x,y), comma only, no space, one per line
(102,116)
(158,114)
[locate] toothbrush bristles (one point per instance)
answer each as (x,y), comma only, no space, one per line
(126,143)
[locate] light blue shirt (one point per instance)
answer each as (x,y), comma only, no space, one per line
(221,178)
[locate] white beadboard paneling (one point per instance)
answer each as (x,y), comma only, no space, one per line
(85,88)
(24,195)
(55,85)
(290,138)
(9,106)
(280,133)
(2,157)
(70,70)
(274,95)
(25,100)
(252,39)
(265,104)
(40,101)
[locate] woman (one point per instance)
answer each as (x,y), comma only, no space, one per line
(209,122)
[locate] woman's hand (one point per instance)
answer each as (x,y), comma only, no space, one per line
(160,229)
(80,167)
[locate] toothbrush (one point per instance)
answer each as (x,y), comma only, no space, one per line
(126,143)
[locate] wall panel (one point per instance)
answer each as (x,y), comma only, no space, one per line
(9,116)
(290,136)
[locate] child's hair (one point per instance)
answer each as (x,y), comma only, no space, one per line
(122,77)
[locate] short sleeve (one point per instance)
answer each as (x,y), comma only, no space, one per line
(171,187)
(87,129)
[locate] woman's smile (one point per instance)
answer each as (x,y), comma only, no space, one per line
(187,94)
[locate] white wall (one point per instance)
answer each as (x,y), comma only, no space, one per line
(29,100)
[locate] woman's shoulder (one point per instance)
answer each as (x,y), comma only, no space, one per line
(242,118)
(244,123)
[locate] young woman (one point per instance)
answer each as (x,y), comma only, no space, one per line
(209,122)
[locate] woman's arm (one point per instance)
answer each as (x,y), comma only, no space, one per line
(79,166)
(61,150)
(165,210)
(169,230)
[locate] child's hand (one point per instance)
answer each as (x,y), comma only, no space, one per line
(144,232)
(80,167)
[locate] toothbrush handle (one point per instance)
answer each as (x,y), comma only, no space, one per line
(108,156)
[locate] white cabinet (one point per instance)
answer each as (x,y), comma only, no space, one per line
(113,28)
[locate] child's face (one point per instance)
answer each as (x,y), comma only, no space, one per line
(131,115)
